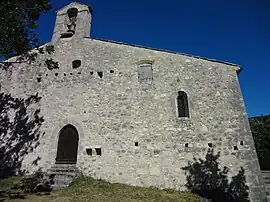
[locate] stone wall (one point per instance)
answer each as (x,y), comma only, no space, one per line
(115,111)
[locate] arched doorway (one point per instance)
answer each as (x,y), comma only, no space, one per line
(67,145)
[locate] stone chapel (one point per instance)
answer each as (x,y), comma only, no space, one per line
(132,114)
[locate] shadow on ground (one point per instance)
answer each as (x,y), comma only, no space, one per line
(205,178)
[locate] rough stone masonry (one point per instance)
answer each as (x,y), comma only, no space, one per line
(132,114)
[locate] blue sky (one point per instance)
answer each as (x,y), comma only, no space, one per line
(235,31)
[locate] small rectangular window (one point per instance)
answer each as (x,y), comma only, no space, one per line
(98,151)
(89,151)
(145,72)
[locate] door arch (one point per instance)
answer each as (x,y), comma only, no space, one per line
(67,148)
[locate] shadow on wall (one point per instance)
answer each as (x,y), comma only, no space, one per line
(205,178)
(19,131)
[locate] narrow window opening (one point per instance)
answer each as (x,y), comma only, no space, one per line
(210,144)
(56,74)
(241,143)
(186,145)
(89,151)
(46,75)
(70,73)
(98,151)
(100,74)
(235,148)
(38,79)
(76,64)
(111,71)
(79,72)
(182,104)
(136,144)
(65,74)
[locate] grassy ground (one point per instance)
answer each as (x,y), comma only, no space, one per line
(88,189)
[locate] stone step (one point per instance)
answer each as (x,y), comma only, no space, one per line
(63,168)
(63,175)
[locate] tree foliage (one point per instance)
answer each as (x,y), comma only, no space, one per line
(18,22)
(260,127)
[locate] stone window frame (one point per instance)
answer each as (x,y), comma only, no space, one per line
(145,62)
(176,105)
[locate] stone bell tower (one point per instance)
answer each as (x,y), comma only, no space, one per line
(73,21)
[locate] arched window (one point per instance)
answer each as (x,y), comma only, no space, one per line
(182,105)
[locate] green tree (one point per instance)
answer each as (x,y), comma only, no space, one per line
(18,22)
(260,127)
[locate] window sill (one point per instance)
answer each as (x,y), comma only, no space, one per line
(184,122)
(184,118)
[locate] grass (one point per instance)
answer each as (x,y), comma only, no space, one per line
(6,190)
(89,189)
(9,182)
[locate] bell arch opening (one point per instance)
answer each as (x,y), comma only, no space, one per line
(67,148)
